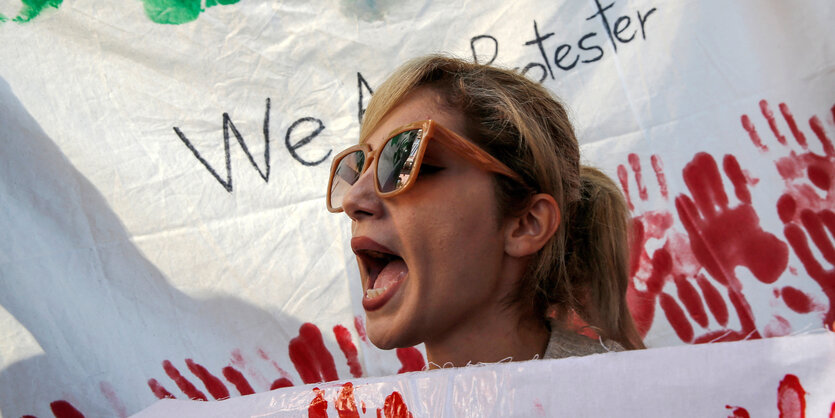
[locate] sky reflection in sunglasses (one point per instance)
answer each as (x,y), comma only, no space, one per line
(397,163)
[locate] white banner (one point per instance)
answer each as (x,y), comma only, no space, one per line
(163,166)
(789,376)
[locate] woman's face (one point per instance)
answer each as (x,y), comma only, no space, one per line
(433,254)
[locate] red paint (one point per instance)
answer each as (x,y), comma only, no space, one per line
(313,361)
(778,327)
(623,176)
(675,315)
(115,403)
(238,358)
(791,398)
(537,406)
(744,312)
(798,135)
(186,386)
(658,167)
(819,177)
(786,208)
(714,300)
(281,371)
(63,409)
(410,359)
(737,177)
(346,405)
(360,327)
(642,303)
(635,163)
(237,378)
(796,300)
(580,326)
(363,406)
(817,127)
(159,391)
(825,278)
(689,297)
(772,123)
(738,412)
(343,337)
(318,406)
(241,363)
(722,237)
(213,384)
(807,213)
(815,224)
(281,383)
(394,407)
(752,133)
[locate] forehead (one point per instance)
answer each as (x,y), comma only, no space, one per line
(421,104)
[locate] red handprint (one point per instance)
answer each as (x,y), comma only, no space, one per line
(791,400)
(311,358)
(723,237)
(683,258)
(346,404)
(814,224)
(671,261)
(806,206)
(647,272)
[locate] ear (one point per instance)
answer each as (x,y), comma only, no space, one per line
(527,233)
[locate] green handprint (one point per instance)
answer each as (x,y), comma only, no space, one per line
(167,12)
(175,12)
(31,9)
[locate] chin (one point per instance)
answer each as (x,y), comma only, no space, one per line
(388,339)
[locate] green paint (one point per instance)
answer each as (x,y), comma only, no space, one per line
(32,8)
(172,12)
(176,12)
(210,3)
(167,12)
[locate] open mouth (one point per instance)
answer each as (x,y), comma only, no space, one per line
(385,271)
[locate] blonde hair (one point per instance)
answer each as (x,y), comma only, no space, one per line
(584,267)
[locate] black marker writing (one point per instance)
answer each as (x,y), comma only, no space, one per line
(229,127)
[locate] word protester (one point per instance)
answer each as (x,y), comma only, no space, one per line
(622,30)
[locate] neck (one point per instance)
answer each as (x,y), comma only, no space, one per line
(491,338)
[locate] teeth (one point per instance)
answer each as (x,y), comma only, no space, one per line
(373,293)
(377,254)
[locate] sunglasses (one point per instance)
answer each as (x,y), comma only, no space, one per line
(397,162)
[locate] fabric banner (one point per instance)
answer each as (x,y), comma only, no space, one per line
(163,166)
(788,376)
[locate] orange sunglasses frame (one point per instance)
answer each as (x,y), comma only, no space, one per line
(428,130)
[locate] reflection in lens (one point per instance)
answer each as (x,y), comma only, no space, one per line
(397,160)
(347,173)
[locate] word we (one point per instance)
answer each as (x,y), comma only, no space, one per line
(291,141)
(621,30)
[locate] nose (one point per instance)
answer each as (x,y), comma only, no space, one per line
(361,200)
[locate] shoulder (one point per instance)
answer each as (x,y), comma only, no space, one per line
(565,343)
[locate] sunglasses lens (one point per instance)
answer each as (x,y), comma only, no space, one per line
(396,162)
(347,173)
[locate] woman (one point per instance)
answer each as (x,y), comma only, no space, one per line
(476,230)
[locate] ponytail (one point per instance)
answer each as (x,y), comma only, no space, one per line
(597,257)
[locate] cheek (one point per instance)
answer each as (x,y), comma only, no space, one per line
(458,232)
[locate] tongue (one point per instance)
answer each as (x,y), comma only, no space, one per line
(392,273)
